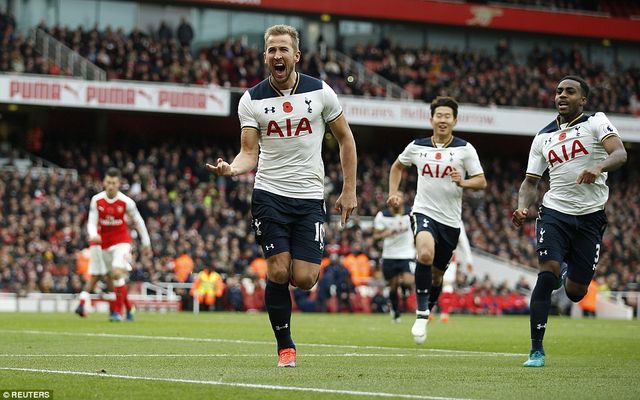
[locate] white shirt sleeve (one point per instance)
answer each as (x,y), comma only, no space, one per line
(245,112)
(463,251)
(92,222)
(378,223)
(332,108)
(472,162)
(134,214)
(601,127)
(537,163)
(405,157)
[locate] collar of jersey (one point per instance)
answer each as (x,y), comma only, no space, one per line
(293,90)
(112,199)
(570,124)
(433,142)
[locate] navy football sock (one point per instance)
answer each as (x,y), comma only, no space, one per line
(423,286)
(277,300)
(433,296)
(540,305)
(393,298)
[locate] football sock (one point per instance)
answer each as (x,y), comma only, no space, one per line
(393,299)
(540,305)
(84,297)
(433,296)
(125,296)
(118,288)
(423,285)
(277,300)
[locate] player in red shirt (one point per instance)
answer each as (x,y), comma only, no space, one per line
(110,243)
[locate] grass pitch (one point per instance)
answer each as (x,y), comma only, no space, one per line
(233,356)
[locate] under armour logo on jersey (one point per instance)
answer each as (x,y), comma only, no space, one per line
(542,235)
(278,328)
(270,246)
(541,326)
(609,128)
(308,102)
(424,155)
(543,253)
(267,110)
(257,224)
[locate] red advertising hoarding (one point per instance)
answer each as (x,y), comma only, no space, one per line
(518,19)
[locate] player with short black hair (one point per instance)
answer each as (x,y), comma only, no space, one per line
(110,244)
(578,150)
(446,165)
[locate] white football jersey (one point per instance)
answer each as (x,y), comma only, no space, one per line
(292,126)
(398,246)
(437,196)
(567,150)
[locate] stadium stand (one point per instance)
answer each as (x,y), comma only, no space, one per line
(187,211)
(471,76)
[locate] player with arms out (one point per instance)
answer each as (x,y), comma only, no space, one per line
(578,150)
(393,226)
(283,120)
(110,243)
(446,165)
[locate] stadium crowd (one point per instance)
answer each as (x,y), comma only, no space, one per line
(196,219)
(471,76)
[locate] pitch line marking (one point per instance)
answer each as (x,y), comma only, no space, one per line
(232,384)
(258,342)
(332,355)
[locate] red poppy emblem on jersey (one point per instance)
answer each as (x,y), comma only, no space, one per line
(287,107)
(562,136)
(438,156)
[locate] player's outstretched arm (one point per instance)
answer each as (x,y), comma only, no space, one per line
(245,161)
(395,177)
(526,196)
(347,201)
(617,157)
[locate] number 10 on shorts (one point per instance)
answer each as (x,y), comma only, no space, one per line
(319,232)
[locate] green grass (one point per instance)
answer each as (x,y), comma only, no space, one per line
(585,358)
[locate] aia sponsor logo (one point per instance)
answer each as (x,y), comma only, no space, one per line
(289,129)
(567,153)
(434,171)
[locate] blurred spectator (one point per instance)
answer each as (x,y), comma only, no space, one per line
(184,32)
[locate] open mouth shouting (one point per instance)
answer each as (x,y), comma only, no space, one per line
(563,105)
(280,70)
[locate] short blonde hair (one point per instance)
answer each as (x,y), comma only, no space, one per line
(278,30)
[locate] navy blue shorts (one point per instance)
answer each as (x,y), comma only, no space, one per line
(574,239)
(284,224)
(394,266)
(445,237)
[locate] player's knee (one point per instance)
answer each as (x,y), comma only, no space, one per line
(279,275)
(305,282)
(576,295)
(425,256)
(436,277)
